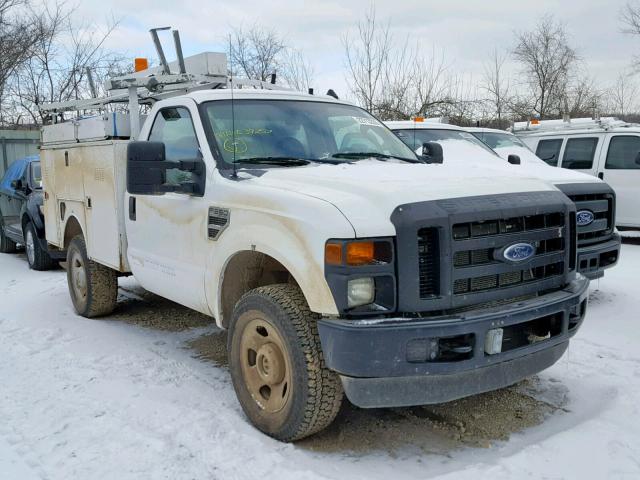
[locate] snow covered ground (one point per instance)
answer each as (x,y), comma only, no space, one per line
(145,394)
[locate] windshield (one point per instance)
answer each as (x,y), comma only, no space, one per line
(286,130)
(415,137)
(499,140)
(36,174)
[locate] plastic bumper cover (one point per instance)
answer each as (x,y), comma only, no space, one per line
(390,362)
(594,259)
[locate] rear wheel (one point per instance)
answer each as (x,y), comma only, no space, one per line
(277,366)
(93,287)
(6,244)
(37,257)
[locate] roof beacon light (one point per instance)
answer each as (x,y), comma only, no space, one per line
(418,119)
(140,64)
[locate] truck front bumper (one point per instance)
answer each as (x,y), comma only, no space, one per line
(594,259)
(395,362)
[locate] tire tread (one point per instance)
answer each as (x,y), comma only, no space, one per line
(325,393)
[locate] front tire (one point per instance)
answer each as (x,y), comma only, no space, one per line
(6,244)
(37,257)
(277,366)
(93,287)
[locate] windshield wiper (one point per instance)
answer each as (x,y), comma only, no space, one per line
(381,156)
(281,161)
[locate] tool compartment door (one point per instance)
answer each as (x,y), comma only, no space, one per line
(101,203)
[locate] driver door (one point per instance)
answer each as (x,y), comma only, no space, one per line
(166,234)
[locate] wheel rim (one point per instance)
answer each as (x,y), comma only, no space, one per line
(78,277)
(265,364)
(30,247)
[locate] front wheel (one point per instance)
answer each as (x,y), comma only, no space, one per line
(6,244)
(37,257)
(93,287)
(277,366)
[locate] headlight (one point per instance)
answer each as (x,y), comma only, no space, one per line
(360,291)
(361,274)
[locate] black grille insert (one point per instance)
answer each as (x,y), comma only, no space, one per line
(428,262)
(478,262)
(487,228)
(507,279)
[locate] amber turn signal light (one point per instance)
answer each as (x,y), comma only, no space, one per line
(333,253)
(360,253)
(356,253)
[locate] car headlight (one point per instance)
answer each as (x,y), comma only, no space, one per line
(360,291)
(361,274)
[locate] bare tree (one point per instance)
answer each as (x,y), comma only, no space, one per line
(57,69)
(547,60)
(367,59)
(433,85)
(583,98)
(296,70)
(394,80)
(622,96)
(630,17)
(396,98)
(20,28)
(255,53)
(496,85)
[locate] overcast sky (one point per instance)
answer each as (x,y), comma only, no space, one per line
(466,30)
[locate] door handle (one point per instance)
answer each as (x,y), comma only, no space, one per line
(132,209)
(601,175)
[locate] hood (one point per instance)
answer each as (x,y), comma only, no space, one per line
(533,166)
(368,191)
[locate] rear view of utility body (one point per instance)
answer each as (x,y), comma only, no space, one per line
(340,261)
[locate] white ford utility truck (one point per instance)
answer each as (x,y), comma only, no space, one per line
(340,262)
(489,149)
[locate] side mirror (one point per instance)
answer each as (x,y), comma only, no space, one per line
(147,170)
(432,152)
(17,185)
(513,159)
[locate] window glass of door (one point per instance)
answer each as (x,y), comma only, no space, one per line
(579,153)
(174,127)
(623,153)
(549,150)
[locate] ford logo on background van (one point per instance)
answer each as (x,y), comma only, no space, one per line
(584,218)
(519,252)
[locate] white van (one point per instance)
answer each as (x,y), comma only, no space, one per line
(598,243)
(607,148)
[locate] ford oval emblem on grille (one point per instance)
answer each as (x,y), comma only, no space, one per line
(519,252)
(584,218)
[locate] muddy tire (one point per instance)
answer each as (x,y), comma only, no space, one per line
(93,287)
(37,257)
(277,366)
(6,244)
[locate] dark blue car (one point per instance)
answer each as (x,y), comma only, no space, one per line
(21,218)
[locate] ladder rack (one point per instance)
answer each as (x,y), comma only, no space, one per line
(204,71)
(604,123)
